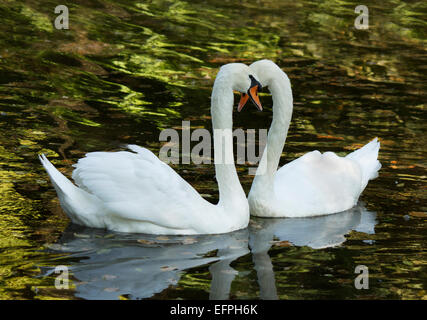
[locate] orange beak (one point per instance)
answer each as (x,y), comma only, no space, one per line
(243,99)
(253,94)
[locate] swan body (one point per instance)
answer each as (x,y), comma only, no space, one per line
(314,184)
(134,191)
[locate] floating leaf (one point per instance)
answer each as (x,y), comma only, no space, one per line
(109,277)
(162,238)
(103,251)
(143,241)
(80,235)
(282,243)
(168,268)
(418,214)
(189,241)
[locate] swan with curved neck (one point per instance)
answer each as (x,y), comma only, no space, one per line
(136,192)
(314,184)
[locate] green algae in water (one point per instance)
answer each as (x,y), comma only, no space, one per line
(125,70)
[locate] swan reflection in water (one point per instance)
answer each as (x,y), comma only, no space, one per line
(108,264)
(315,232)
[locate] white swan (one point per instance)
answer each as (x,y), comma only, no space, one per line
(314,184)
(136,192)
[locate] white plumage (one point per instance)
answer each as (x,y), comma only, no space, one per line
(317,184)
(314,184)
(136,192)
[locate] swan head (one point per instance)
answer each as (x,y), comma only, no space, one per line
(267,72)
(242,79)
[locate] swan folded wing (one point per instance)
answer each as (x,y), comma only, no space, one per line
(138,186)
(318,183)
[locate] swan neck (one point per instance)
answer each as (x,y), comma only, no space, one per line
(231,194)
(281,91)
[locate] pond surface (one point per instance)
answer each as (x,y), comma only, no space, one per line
(125,70)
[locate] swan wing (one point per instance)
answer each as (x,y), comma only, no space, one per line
(137,186)
(316,184)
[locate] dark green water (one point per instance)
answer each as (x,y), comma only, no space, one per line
(125,70)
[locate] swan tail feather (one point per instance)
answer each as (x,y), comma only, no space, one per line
(60,182)
(367,158)
(78,204)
